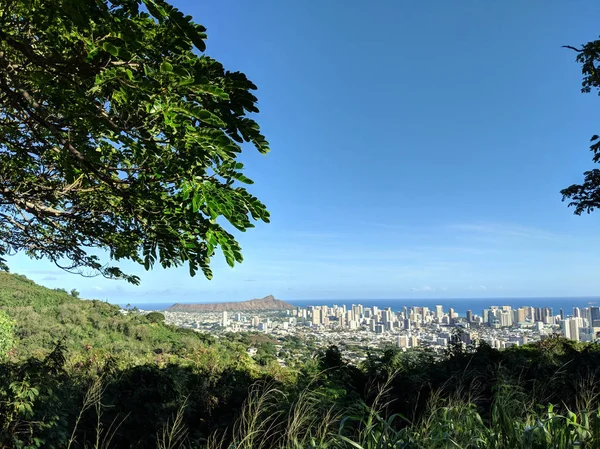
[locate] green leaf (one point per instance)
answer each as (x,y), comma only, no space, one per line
(114,51)
(212,90)
(124,54)
(200,114)
(186,82)
(166,67)
(211,238)
(229,258)
(241,178)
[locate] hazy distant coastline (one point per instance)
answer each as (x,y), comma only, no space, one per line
(460,305)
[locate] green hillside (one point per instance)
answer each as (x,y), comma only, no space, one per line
(82,374)
(88,329)
(135,366)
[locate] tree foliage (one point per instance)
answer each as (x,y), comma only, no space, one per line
(7,337)
(155,317)
(585,197)
(118,133)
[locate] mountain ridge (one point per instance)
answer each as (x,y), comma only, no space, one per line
(267,303)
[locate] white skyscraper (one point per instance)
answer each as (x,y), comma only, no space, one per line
(439,312)
(316,316)
(570,328)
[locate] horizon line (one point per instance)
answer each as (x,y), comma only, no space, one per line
(374,299)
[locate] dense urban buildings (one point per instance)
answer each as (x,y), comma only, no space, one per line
(410,327)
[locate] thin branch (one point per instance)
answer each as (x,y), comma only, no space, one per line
(572,48)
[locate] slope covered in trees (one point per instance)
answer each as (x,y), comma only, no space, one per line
(45,317)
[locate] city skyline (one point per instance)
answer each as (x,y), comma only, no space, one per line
(359,326)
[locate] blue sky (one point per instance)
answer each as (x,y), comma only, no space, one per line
(418,152)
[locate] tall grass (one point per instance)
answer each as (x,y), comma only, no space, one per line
(92,400)
(314,418)
(450,421)
(271,418)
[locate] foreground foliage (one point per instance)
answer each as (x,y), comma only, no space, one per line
(117,133)
(585,197)
(82,374)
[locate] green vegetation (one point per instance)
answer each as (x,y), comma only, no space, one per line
(585,197)
(118,133)
(155,317)
(80,373)
(7,340)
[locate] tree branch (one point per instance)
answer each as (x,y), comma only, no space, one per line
(578,50)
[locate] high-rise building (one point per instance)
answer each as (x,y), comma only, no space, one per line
(224,319)
(587,315)
(316,316)
(547,315)
(566,328)
(505,318)
(411,314)
(520,315)
(570,328)
(576,312)
(530,313)
(414,341)
(403,341)
(452,315)
(439,311)
(372,324)
(576,324)
(469,316)
(349,316)
(595,316)
(387,315)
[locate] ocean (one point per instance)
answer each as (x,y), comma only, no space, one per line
(460,306)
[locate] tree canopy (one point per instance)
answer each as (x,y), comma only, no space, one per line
(117,133)
(585,197)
